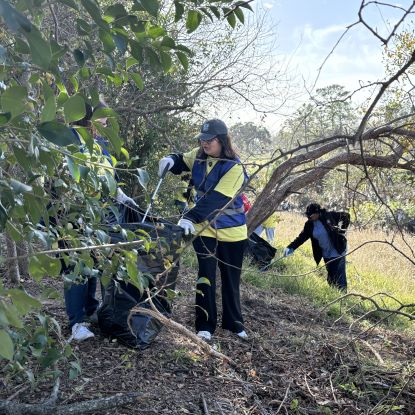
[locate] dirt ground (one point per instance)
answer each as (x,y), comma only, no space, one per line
(296,361)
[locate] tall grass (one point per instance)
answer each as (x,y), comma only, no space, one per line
(375,267)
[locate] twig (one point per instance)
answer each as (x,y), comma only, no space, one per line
(55,393)
(11,397)
(178,328)
(205,407)
(332,389)
(284,399)
(374,351)
(308,388)
(219,407)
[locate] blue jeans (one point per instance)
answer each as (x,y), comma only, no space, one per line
(269,232)
(336,272)
(80,300)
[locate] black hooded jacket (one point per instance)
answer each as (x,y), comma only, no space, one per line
(335,223)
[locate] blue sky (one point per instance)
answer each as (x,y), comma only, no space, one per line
(307,30)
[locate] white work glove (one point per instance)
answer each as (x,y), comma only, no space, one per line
(124,199)
(165,161)
(187,226)
(288,251)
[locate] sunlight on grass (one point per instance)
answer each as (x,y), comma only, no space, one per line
(373,268)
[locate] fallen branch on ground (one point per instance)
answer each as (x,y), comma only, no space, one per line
(93,405)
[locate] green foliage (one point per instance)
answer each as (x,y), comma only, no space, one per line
(56,187)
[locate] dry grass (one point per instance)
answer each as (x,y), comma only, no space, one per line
(371,259)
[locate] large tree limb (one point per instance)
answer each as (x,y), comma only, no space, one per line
(275,191)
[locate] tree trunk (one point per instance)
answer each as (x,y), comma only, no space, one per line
(22,249)
(12,270)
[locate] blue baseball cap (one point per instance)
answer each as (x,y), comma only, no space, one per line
(211,129)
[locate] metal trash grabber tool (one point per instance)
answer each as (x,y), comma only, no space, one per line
(153,196)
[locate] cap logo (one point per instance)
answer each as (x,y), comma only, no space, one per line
(205,127)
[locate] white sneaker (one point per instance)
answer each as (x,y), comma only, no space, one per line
(205,335)
(81,332)
(242,334)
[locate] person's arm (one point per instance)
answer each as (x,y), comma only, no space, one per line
(302,237)
(216,199)
(179,165)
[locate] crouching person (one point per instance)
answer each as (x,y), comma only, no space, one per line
(326,229)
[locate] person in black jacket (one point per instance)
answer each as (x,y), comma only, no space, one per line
(326,229)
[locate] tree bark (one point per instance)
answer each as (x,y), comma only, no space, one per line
(12,269)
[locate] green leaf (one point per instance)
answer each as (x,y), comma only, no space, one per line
(121,43)
(42,266)
(111,134)
(69,3)
(203,280)
(143,178)
(111,183)
(166,60)
(231,19)
(130,62)
(153,58)
(168,42)
(23,301)
(179,11)
(193,20)
(12,315)
(21,46)
(136,77)
(240,15)
(244,4)
(13,19)
(185,49)
(19,187)
(215,11)
(3,217)
(107,40)
(6,343)
(13,100)
(74,108)
(39,48)
(57,133)
(82,27)
(136,50)
(116,11)
(79,57)
(150,6)
(73,169)
(155,32)
(94,11)
(5,117)
(206,12)
(49,110)
(131,264)
(103,113)
(183,60)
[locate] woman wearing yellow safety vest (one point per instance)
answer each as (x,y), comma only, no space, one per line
(219,223)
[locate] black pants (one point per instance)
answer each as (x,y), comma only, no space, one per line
(228,256)
(336,272)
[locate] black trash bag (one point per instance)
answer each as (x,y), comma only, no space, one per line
(120,297)
(121,213)
(259,250)
(118,300)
